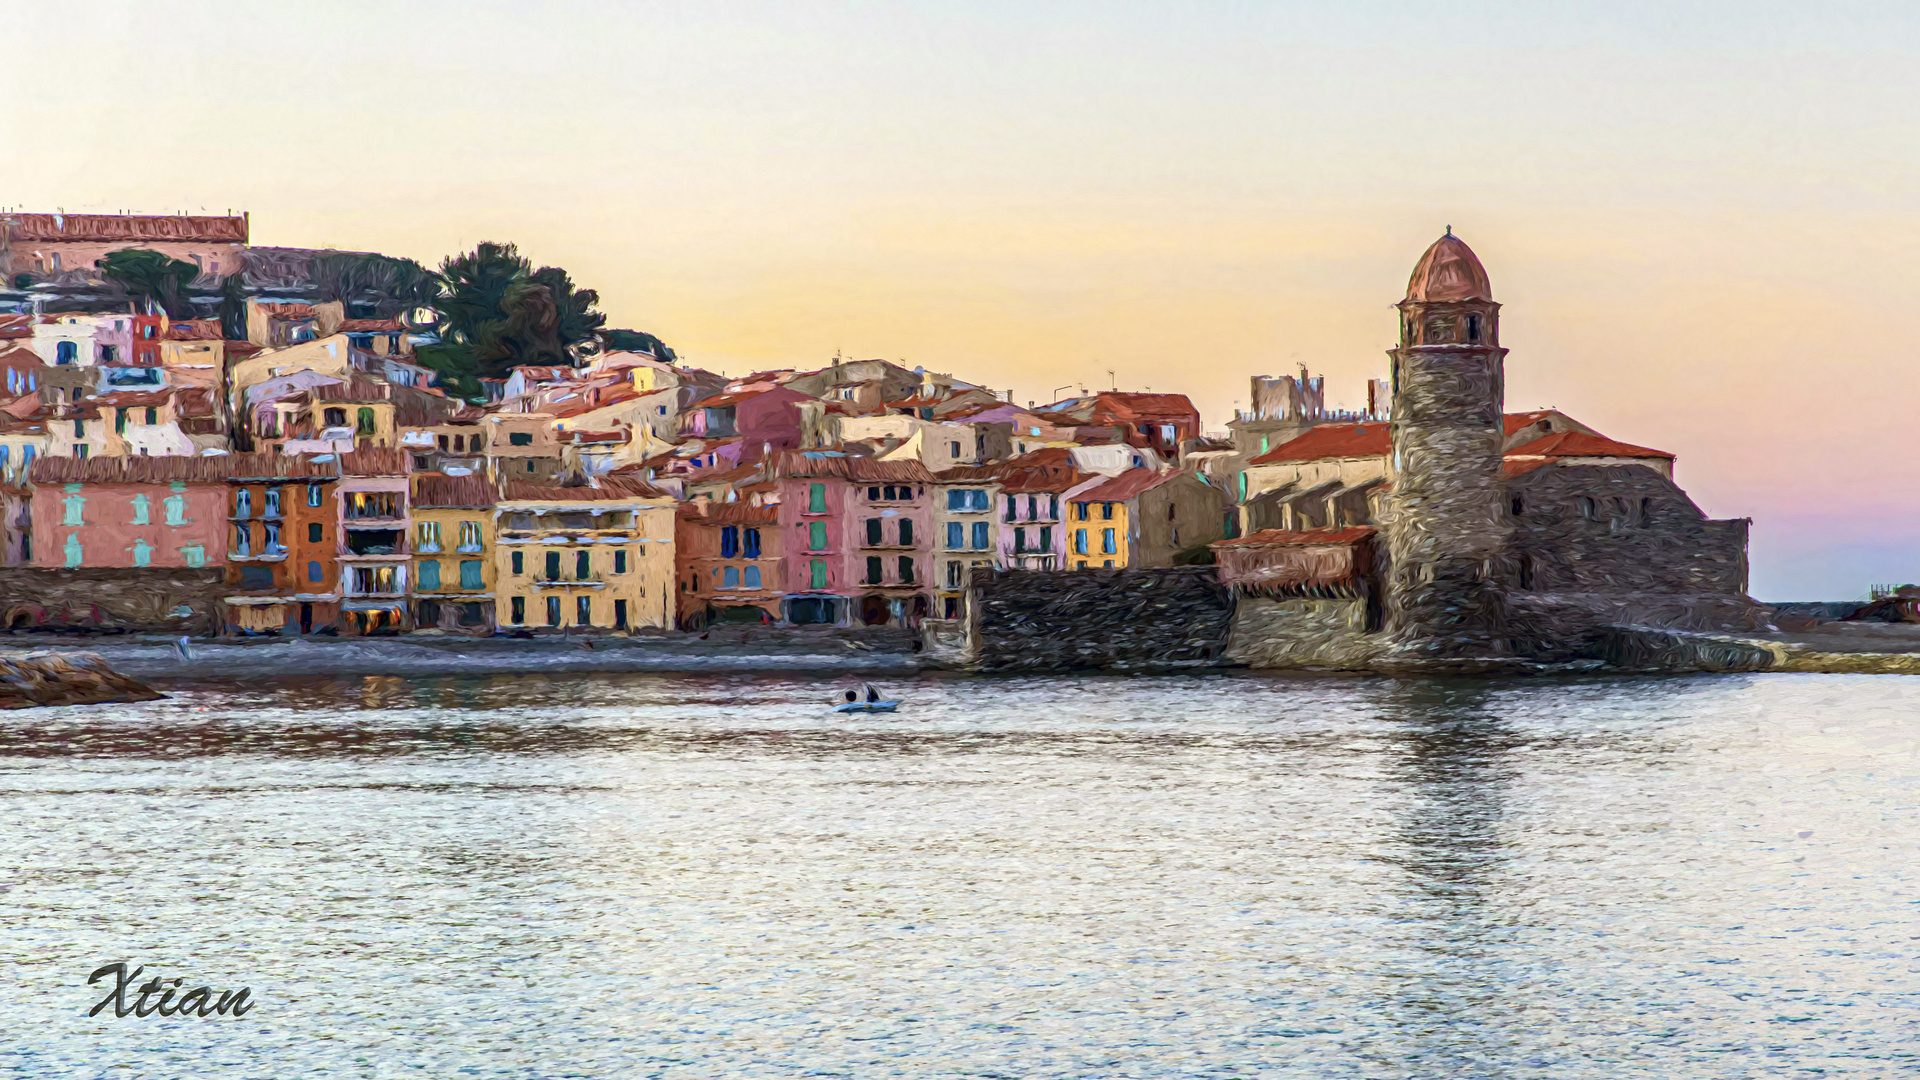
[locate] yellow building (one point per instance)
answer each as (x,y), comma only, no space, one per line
(453,569)
(1145,517)
(587,558)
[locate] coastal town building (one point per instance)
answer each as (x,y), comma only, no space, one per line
(591,556)
(453,553)
(728,562)
(128,512)
(282,549)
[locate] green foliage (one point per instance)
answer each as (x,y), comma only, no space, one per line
(233,308)
(637,341)
(373,286)
(150,275)
(23,281)
(496,312)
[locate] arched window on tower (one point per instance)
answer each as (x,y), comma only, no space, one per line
(1473,328)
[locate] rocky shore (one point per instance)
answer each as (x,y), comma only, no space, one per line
(719,650)
(30,679)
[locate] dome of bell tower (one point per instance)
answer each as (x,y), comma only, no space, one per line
(1449,271)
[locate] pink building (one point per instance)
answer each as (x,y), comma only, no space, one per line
(858,538)
(138,511)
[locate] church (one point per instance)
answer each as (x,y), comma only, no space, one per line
(1455,536)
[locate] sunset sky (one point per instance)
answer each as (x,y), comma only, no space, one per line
(1703,219)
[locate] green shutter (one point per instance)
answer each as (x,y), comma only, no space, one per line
(817,536)
(819,574)
(816,498)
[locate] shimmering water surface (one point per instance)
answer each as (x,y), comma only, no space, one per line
(664,876)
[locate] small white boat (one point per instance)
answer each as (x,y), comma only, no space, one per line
(867,706)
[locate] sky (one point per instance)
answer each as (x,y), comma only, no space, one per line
(1701,217)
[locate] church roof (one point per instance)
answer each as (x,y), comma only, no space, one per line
(1580,444)
(1449,271)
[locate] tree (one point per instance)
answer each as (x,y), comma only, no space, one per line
(148,275)
(637,341)
(496,312)
(371,286)
(233,308)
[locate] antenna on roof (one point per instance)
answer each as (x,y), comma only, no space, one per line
(1449,230)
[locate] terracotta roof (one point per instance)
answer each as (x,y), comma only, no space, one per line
(355,388)
(133,399)
(1128,485)
(706,511)
(435,491)
(374,461)
(1516,420)
(130,470)
(1367,439)
(1449,271)
(371,326)
(829,463)
(605,489)
(1299,537)
(618,435)
(16,326)
(280,467)
(1130,406)
(54,227)
(196,330)
(1580,444)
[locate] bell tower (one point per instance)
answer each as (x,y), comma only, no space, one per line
(1444,522)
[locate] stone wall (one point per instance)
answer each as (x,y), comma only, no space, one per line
(1620,529)
(1302,632)
(169,600)
(1156,619)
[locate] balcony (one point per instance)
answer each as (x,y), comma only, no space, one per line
(373,542)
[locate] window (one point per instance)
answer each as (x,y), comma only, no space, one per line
(153,417)
(243,539)
(470,574)
(445,443)
(313,494)
(430,574)
(817,574)
(1473,328)
(519,562)
(583,566)
(243,503)
(1589,509)
(953,607)
(906,533)
(873,532)
(953,450)
(119,421)
(314,571)
(816,536)
(583,611)
(1518,505)
(65,352)
(363,420)
(956,499)
(1106,511)
(956,535)
(1010,502)
(620,561)
(553,566)
(469,536)
(81,451)
(334,418)
(79,429)
(553,611)
(1079,541)
(273,545)
(953,574)
(1053,508)
(906,569)
(1106,543)
(520,438)
(1033,508)
(256,577)
(753,543)
(373,504)
(1080,511)
(730,578)
(619,614)
(517,608)
(273,503)
(876,569)
(1046,538)
(980,536)
(429,535)
(729,541)
(313,532)
(1019,540)
(817,500)
(753,577)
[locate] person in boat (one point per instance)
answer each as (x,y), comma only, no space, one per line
(852,697)
(873,693)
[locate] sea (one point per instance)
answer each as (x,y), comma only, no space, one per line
(1207,876)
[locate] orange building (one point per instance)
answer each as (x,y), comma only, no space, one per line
(282,571)
(727,559)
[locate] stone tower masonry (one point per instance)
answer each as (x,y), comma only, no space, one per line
(1444,521)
